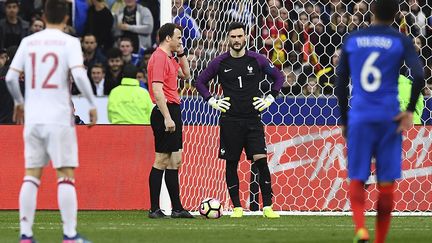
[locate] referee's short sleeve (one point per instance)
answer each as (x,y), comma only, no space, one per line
(159,67)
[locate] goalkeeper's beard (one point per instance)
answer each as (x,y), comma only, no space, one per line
(237,49)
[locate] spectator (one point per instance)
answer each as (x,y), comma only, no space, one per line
(79,15)
(321,40)
(327,76)
(136,23)
(404,89)
(6,101)
(129,103)
(311,88)
(154,6)
(126,48)
(191,30)
(99,23)
(12,29)
(356,22)
(361,8)
(275,33)
(406,21)
(68,29)
(3,58)
(115,6)
(146,57)
(114,74)
(419,16)
(92,54)
(290,86)
(427,91)
(97,76)
(36,26)
(142,78)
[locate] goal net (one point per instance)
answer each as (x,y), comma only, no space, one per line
(306,152)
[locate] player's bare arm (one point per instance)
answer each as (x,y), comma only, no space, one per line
(13,86)
(161,103)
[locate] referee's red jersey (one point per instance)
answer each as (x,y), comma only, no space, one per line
(164,69)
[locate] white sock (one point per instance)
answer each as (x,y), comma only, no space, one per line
(68,205)
(27,204)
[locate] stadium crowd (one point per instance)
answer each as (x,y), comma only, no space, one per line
(301,37)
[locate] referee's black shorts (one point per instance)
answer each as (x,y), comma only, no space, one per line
(166,142)
(239,133)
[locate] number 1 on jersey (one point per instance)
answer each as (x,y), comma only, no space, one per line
(46,84)
(240,82)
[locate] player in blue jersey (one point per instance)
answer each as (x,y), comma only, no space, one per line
(372,57)
(240,72)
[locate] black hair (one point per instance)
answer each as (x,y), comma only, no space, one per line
(129,71)
(236,25)
(114,53)
(126,39)
(98,65)
(88,35)
(385,10)
(12,2)
(167,30)
(56,11)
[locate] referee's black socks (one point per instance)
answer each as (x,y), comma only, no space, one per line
(155,183)
(172,183)
(232,181)
(264,181)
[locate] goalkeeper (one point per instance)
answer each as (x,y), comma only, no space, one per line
(240,72)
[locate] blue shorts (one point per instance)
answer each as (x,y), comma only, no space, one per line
(381,140)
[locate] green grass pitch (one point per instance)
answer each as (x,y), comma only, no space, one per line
(135,226)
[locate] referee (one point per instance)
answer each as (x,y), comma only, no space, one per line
(240,72)
(163,70)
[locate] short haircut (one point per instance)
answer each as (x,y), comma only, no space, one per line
(98,65)
(167,30)
(89,35)
(129,71)
(236,25)
(385,9)
(56,11)
(126,39)
(114,53)
(12,2)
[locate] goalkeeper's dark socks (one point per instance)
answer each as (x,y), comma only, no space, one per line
(172,183)
(264,181)
(232,181)
(155,183)
(357,198)
(385,207)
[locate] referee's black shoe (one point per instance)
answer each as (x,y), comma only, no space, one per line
(157,214)
(175,214)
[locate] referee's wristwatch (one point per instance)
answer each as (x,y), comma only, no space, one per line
(181,55)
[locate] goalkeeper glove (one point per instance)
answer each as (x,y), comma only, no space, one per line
(220,104)
(262,103)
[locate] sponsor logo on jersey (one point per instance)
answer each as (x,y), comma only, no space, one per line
(227,70)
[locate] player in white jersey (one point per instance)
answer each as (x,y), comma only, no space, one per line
(47,58)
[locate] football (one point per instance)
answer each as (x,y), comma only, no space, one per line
(211,208)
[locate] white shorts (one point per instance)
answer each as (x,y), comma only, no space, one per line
(43,143)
